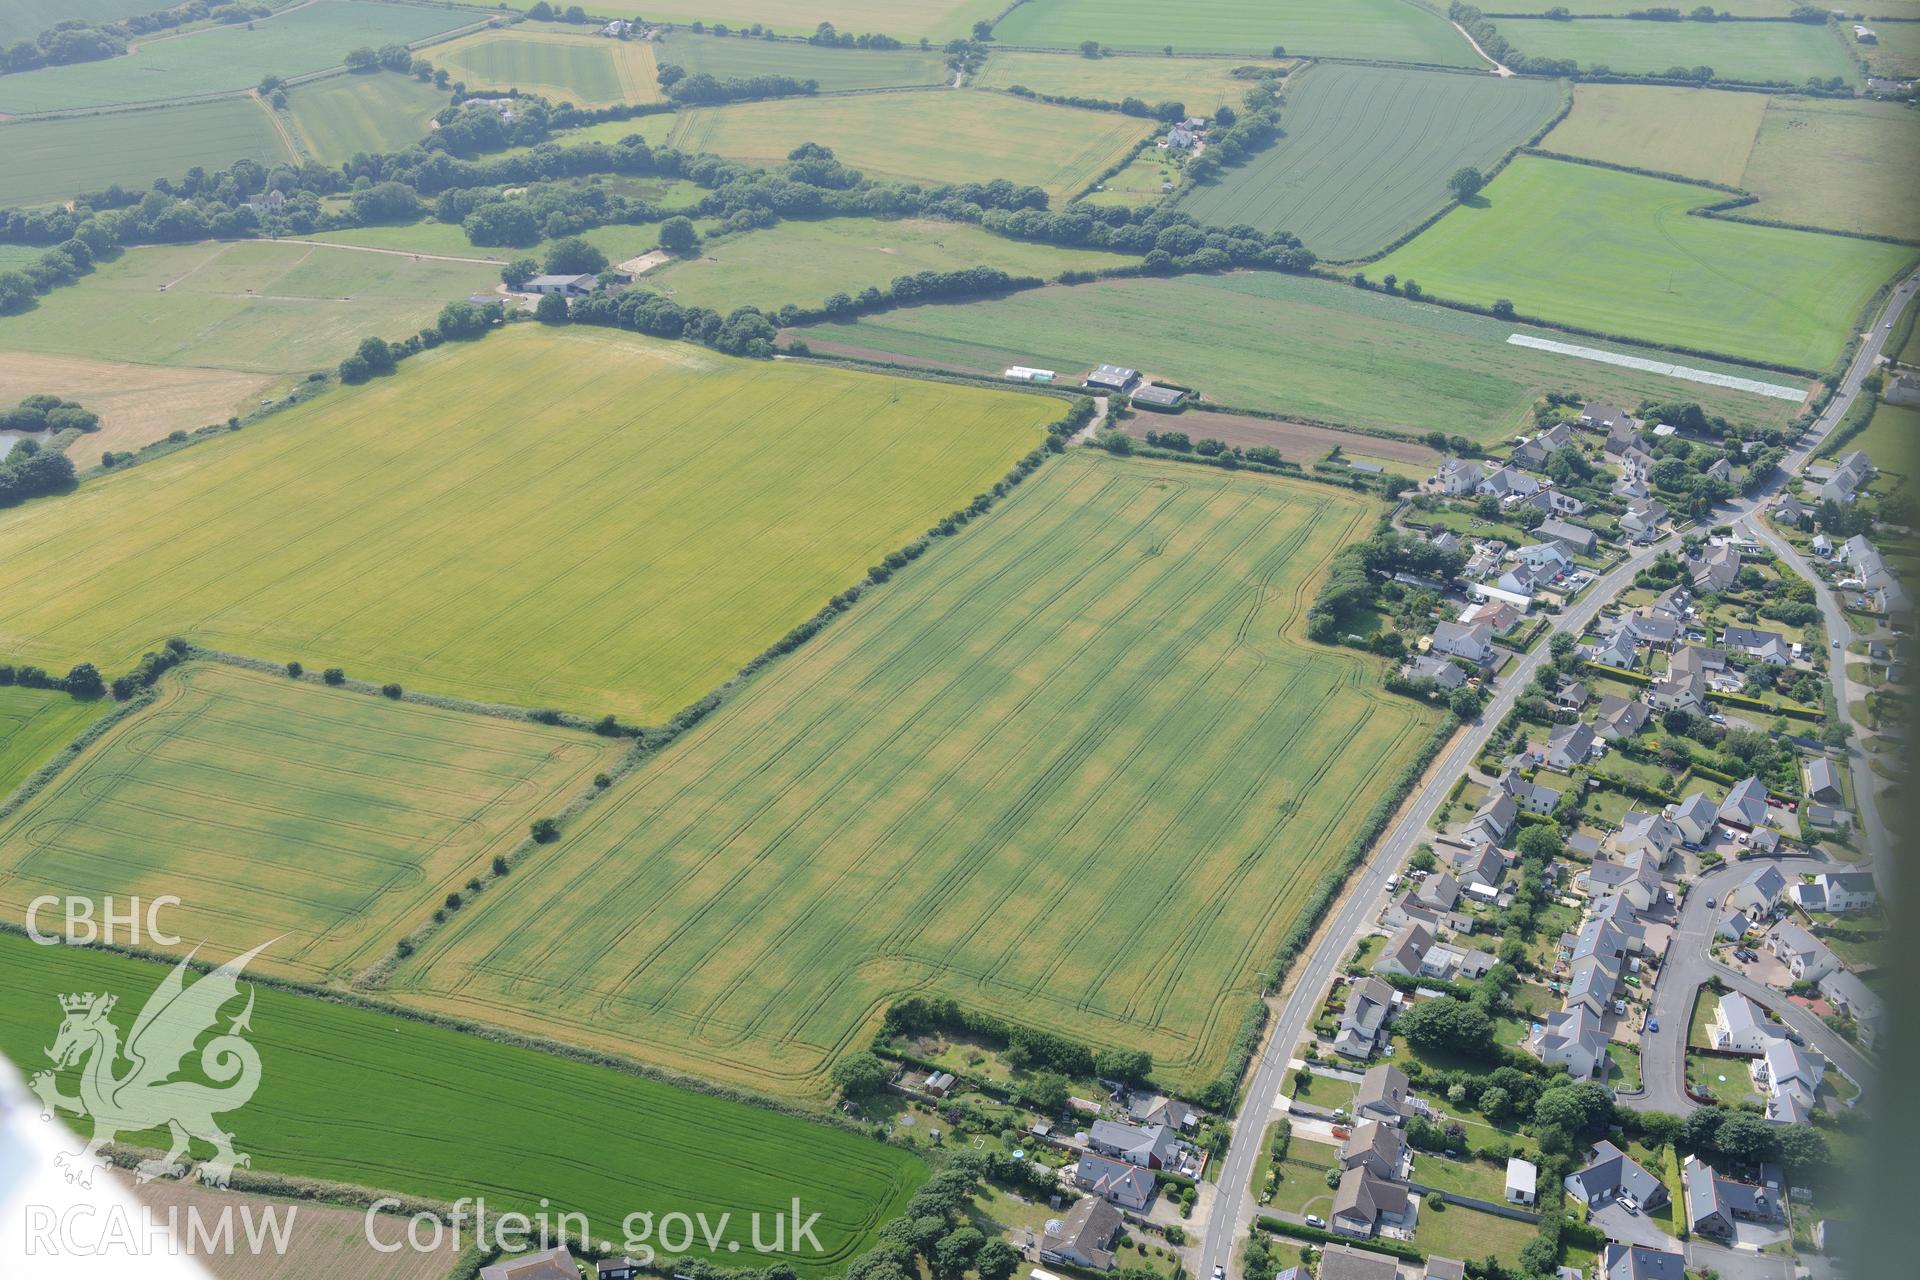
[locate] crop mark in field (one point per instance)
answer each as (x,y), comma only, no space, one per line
(1772,390)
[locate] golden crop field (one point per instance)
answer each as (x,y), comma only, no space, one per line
(582,518)
(331,820)
(1079,767)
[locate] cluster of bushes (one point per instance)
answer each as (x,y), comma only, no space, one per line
(28,471)
(824,34)
(1168,239)
(82,681)
(152,665)
(1352,583)
(48,413)
(703,88)
(1165,112)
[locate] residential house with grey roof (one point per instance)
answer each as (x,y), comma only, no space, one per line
(1576,539)
(1641,1262)
(1383,1095)
(1616,717)
(1474,643)
(1652,832)
(1570,1037)
(1696,816)
(1746,805)
(1405,952)
(1370,1004)
(1379,1148)
(1344,1262)
(1571,745)
(1610,1173)
(1759,892)
(1084,1236)
(1805,956)
(1126,1185)
(1152,1147)
(1823,781)
(1366,1204)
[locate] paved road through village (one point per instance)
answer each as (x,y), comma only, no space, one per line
(1229,1218)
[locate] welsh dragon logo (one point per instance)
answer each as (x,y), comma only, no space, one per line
(132,1088)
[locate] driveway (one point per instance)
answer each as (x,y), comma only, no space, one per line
(1737,1264)
(1630,1228)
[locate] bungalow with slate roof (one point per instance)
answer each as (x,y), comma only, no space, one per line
(1741,1026)
(1715,1204)
(548,1264)
(1640,1262)
(1762,646)
(1474,643)
(1716,570)
(1383,1095)
(1482,866)
(1444,674)
(1530,796)
(1696,816)
(1571,745)
(1409,909)
(1655,630)
(1617,650)
(1570,1037)
(1635,877)
(1789,511)
(1370,1003)
(1507,484)
(1651,832)
(1405,952)
(1678,691)
(1577,540)
(1823,781)
(1378,1148)
(1365,1204)
(1533,454)
(1150,1148)
(1746,805)
(1445,1269)
(578,286)
(1805,956)
(1733,926)
(1643,518)
(1343,1262)
(1439,891)
(1126,1185)
(1084,1237)
(1850,475)
(1612,1173)
(1760,892)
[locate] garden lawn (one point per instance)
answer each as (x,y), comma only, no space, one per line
(623,541)
(1458,1232)
(51,161)
(1823,162)
(337,118)
(228,59)
(1617,253)
(1389,30)
(1302,1185)
(1203,84)
(1695,133)
(430,1110)
(1743,52)
(35,723)
(587,70)
(1705,1072)
(253,305)
(1306,347)
(835,69)
(328,821)
(933,137)
(1367,152)
(1071,690)
(803,262)
(1481,1179)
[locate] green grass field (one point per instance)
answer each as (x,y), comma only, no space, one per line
(351,1095)
(586,70)
(252,305)
(1367,152)
(1620,8)
(1204,84)
(1823,162)
(331,820)
(48,161)
(1103,685)
(338,117)
(622,540)
(1892,438)
(1898,53)
(1696,133)
(25,19)
(1617,253)
(619,241)
(227,59)
(835,69)
(1748,52)
(35,723)
(803,262)
(936,19)
(939,136)
(1314,348)
(1391,30)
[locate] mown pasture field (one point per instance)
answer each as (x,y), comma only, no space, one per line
(936,137)
(586,70)
(1695,133)
(137,403)
(1367,152)
(1391,30)
(619,241)
(804,262)
(227,59)
(336,118)
(1204,84)
(1617,253)
(1750,52)
(836,69)
(1304,347)
(51,161)
(653,128)
(622,540)
(331,820)
(1892,438)
(35,723)
(1823,162)
(257,306)
(437,1113)
(937,19)
(1104,684)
